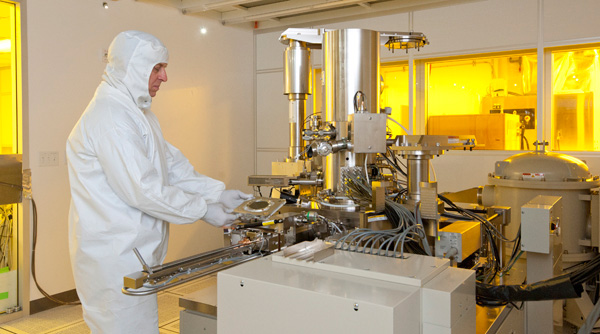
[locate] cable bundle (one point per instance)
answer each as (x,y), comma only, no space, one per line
(6,231)
(408,233)
(491,235)
(565,286)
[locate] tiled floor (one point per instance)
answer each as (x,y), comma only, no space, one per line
(69,320)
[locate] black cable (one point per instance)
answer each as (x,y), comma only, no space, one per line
(522,139)
(472,210)
(596,290)
(459,217)
(34,244)
(396,167)
(491,233)
(565,286)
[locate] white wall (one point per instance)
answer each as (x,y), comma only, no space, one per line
(468,28)
(205,108)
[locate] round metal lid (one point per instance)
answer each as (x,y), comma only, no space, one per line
(543,166)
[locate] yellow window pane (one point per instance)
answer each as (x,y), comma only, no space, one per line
(8,110)
(394,94)
(493,98)
(317,92)
(575,87)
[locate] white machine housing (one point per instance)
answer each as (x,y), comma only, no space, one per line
(347,292)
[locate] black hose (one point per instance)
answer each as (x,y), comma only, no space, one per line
(34,244)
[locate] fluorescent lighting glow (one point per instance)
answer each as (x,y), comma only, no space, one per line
(203,31)
(105,5)
(5,45)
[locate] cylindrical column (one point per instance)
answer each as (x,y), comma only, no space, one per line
(297,87)
(351,64)
(417,171)
(297,110)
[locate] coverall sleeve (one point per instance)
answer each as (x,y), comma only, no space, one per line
(183,175)
(122,154)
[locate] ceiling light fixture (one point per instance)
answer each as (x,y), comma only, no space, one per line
(105,5)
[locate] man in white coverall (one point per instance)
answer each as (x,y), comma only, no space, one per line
(127,182)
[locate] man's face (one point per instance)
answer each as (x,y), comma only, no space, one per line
(157,76)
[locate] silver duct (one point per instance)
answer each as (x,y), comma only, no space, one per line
(351,64)
(297,87)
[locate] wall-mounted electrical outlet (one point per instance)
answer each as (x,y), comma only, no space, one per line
(48,159)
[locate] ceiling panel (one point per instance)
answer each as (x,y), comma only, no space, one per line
(275,13)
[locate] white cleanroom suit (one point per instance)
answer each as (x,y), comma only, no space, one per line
(127,182)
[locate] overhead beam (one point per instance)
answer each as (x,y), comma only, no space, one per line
(375,9)
(283,9)
(294,12)
(197,6)
(229,3)
(170,3)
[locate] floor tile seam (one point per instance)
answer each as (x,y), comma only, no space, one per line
(170,331)
(8,330)
(50,331)
(169,323)
(56,330)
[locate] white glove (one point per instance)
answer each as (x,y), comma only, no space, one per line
(218,216)
(231,199)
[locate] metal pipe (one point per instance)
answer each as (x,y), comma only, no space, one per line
(198,257)
(417,171)
(297,111)
(350,64)
(150,291)
(141,259)
(297,87)
(307,182)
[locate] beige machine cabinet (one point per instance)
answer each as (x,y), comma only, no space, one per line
(540,218)
(200,307)
(346,292)
(541,238)
(520,178)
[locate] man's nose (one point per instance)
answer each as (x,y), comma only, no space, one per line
(162,75)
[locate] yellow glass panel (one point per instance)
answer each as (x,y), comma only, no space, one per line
(317,92)
(394,94)
(575,87)
(8,100)
(493,98)
(10,143)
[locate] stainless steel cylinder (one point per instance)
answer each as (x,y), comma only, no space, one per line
(297,110)
(297,68)
(297,87)
(417,171)
(351,64)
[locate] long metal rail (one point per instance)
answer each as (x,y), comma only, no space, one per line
(161,277)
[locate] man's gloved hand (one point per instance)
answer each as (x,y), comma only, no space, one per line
(218,216)
(231,199)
